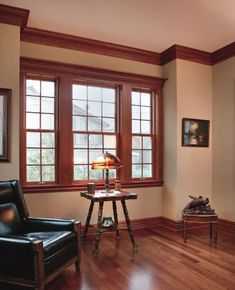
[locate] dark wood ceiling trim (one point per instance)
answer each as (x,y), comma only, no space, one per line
(14,16)
(223,53)
(186,53)
(45,37)
(51,67)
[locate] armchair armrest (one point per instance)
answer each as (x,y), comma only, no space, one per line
(43,224)
(17,256)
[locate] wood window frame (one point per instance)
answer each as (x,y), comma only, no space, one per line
(66,75)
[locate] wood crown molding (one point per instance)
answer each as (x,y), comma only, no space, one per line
(186,53)
(56,39)
(33,65)
(223,53)
(14,16)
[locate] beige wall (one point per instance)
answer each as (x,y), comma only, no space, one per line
(187,170)
(71,205)
(88,59)
(9,78)
(224,138)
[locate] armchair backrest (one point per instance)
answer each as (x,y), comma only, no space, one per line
(10,192)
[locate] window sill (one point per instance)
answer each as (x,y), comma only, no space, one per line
(61,188)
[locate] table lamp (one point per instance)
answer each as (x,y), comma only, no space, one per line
(106,161)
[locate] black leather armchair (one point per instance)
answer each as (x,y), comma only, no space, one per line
(33,250)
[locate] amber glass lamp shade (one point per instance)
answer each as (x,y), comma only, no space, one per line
(106,161)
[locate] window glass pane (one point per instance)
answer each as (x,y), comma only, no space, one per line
(94,109)
(33,173)
(95,173)
(135,112)
(136,142)
(79,92)
(145,113)
(32,104)
(94,124)
(33,156)
(79,123)
(79,107)
(135,126)
(147,170)
(109,141)
(94,93)
(93,154)
(147,143)
(47,121)
(48,156)
(48,140)
(48,89)
(80,141)
(135,98)
(48,173)
(33,139)
(80,172)
(47,105)
(145,99)
(80,156)
(95,141)
(136,171)
(145,127)
(136,156)
(32,121)
(33,87)
(108,125)
(147,156)
(108,95)
(112,173)
(108,110)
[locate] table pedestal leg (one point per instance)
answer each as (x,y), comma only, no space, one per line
(211,231)
(99,225)
(215,232)
(116,218)
(134,245)
(88,220)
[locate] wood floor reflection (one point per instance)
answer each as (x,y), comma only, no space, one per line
(163,262)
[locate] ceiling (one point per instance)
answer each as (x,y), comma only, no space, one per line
(147,24)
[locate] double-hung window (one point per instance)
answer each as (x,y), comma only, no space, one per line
(70,115)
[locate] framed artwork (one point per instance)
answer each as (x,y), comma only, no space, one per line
(5,102)
(195,132)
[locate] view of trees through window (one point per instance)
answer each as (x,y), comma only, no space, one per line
(94,128)
(40,130)
(141,135)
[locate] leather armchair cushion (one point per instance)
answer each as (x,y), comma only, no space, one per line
(10,222)
(53,241)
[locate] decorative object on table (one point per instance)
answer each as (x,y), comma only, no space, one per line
(117,185)
(5,105)
(195,132)
(91,187)
(106,162)
(107,222)
(198,205)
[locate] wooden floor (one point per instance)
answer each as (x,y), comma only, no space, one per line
(163,261)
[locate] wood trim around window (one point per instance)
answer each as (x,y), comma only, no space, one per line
(66,75)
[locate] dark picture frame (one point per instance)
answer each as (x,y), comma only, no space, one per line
(5,106)
(195,132)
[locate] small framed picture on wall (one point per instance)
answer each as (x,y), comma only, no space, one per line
(195,132)
(5,103)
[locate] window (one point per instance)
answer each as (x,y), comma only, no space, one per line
(142,134)
(94,128)
(70,115)
(40,131)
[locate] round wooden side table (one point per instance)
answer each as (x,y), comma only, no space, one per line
(212,220)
